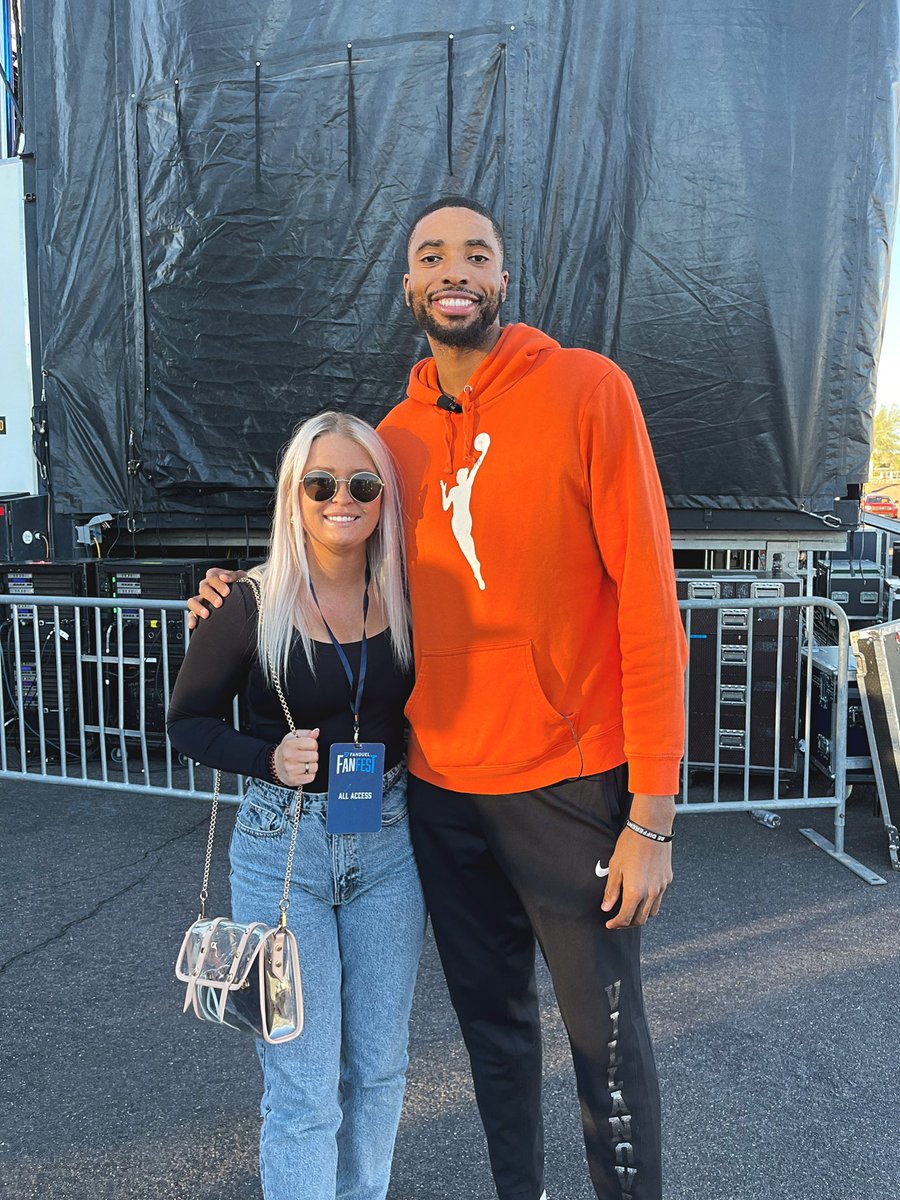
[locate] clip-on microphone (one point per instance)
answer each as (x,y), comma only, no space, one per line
(448,404)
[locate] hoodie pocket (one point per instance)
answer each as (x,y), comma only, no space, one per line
(484,710)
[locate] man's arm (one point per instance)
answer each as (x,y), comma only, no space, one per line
(631,526)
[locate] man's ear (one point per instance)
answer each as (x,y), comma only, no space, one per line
(406,290)
(505,278)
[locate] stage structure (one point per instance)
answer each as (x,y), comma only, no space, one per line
(704,193)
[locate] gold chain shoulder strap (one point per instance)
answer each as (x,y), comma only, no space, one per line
(284,903)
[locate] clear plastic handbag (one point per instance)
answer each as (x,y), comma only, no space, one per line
(245,976)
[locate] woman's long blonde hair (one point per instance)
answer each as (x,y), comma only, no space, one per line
(288,609)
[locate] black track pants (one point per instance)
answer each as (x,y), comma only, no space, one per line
(498,871)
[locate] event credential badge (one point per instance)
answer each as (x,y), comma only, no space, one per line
(355,785)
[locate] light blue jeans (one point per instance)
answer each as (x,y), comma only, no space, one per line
(332,1097)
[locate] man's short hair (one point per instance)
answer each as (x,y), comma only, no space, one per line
(459,202)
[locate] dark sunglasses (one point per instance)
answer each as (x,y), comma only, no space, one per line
(363,486)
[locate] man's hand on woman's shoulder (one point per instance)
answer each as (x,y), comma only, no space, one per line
(213,589)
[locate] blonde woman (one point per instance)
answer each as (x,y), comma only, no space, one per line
(334,630)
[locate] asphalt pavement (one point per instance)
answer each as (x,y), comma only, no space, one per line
(771,976)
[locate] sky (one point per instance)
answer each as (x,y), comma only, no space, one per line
(888,380)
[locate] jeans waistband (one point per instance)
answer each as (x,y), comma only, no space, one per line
(316,801)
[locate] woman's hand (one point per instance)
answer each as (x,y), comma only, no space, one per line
(297,757)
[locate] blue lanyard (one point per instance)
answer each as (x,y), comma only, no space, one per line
(355,703)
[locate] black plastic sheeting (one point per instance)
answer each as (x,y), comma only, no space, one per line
(705,191)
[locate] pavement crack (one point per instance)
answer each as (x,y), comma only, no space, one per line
(176,837)
(82,920)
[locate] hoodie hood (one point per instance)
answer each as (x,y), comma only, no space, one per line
(517,352)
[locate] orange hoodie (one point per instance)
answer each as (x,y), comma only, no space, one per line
(547,637)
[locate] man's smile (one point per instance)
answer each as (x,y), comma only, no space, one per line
(455,302)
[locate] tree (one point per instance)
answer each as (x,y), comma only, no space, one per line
(886,441)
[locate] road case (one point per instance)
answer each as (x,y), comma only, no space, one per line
(857,585)
(877,653)
(824,714)
(743,671)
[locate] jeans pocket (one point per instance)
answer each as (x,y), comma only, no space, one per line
(260,819)
(393,808)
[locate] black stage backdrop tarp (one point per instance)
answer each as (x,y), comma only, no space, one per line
(703,190)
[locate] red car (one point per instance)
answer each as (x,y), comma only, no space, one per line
(884,506)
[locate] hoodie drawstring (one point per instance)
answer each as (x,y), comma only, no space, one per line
(448,442)
(468,412)
(468,427)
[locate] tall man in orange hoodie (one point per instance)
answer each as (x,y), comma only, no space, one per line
(547,715)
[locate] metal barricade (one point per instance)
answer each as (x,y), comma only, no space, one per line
(84,689)
(85,685)
(737,778)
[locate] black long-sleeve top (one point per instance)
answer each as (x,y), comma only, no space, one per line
(221,662)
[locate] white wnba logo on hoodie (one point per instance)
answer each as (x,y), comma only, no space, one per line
(460,497)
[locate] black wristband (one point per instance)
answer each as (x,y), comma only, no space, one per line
(647,833)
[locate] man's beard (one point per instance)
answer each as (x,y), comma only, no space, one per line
(468,336)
